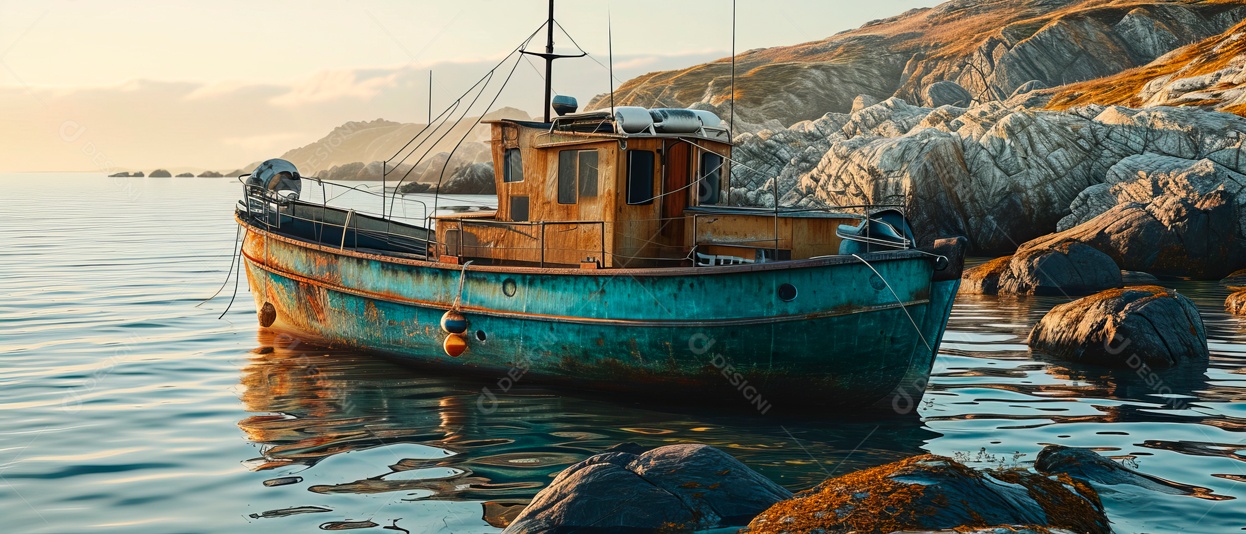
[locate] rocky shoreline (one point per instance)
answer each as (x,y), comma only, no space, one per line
(693,487)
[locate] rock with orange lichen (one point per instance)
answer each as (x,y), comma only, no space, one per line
(1131,327)
(672,488)
(936,493)
(1236,303)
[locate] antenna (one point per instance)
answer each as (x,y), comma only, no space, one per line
(610,52)
(549,56)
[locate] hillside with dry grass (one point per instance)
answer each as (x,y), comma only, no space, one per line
(989,48)
(1210,74)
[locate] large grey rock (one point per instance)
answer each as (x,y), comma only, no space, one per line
(934,493)
(1147,178)
(1164,215)
(159,173)
(1045,268)
(676,487)
(474,179)
(1125,328)
(947,93)
(863,101)
(996,174)
(1059,268)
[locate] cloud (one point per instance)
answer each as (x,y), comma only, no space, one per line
(267,142)
(217,90)
(142,124)
(333,85)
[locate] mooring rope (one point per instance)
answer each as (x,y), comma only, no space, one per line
(901,302)
(462,278)
(237,260)
(233,257)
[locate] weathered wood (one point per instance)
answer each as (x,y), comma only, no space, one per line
(600,225)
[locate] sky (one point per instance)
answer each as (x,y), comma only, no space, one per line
(92,85)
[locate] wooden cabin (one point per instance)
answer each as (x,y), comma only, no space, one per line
(633,188)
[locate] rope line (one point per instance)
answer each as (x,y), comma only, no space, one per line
(898,301)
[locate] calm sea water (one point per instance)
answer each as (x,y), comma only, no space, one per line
(126,408)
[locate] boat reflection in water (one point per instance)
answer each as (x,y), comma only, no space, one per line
(334,422)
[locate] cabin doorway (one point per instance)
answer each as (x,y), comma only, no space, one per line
(675,178)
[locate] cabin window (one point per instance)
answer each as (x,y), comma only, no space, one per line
(519,209)
(640,176)
(588,173)
(577,175)
(512,166)
(709,179)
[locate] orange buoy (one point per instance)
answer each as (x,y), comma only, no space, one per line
(453,322)
(455,345)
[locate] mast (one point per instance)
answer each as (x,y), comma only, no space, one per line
(549,60)
(549,56)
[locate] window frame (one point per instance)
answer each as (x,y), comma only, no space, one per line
(570,185)
(701,177)
(649,185)
(508,169)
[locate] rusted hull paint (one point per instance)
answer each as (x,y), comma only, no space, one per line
(847,339)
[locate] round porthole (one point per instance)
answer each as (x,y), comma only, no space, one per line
(787,292)
(480,335)
(509,287)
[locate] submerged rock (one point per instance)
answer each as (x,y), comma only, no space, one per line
(1138,278)
(1088,466)
(185,175)
(1059,268)
(676,487)
(210,174)
(983,279)
(1235,280)
(935,493)
(1043,268)
(159,173)
(1130,327)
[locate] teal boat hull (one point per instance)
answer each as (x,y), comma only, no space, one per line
(861,331)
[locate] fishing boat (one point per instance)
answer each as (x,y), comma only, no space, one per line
(613,262)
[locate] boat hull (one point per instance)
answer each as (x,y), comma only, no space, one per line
(859,332)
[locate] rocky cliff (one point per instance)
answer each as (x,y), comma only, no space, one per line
(985,51)
(998,174)
(1210,74)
